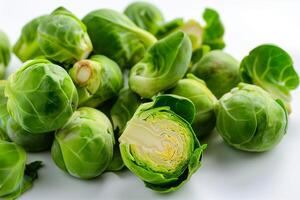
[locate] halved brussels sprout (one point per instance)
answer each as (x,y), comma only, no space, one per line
(84,146)
(164,64)
(41,96)
(117,37)
(271,68)
(205,102)
(27,47)
(63,37)
(15,176)
(159,145)
(29,141)
(219,70)
(4,53)
(97,79)
(249,119)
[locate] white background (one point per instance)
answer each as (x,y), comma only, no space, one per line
(226,173)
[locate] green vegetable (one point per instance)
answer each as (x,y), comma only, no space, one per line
(27,46)
(41,96)
(15,176)
(145,15)
(63,37)
(84,146)
(271,68)
(4,116)
(164,64)
(117,37)
(205,102)
(29,141)
(121,112)
(249,119)
(4,53)
(159,145)
(219,70)
(213,30)
(10,130)
(97,79)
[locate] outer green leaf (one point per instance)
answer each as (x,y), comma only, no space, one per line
(213,30)
(41,96)
(97,79)
(179,105)
(165,63)
(116,36)
(271,68)
(4,53)
(249,119)
(27,46)
(84,146)
(63,37)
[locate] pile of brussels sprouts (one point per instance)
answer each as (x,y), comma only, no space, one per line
(131,90)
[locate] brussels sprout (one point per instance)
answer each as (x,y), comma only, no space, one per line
(120,114)
(10,130)
(159,145)
(4,53)
(4,116)
(29,141)
(213,30)
(41,96)
(27,46)
(250,120)
(97,79)
(145,15)
(165,63)
(219,70)
(84,146)
(116,36)
(63,37)
(205,102)
(15,176)
(271,68)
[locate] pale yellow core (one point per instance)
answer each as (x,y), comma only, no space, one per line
(83,74)
(161,143)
